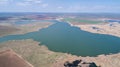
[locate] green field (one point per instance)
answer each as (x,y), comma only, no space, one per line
(81,21)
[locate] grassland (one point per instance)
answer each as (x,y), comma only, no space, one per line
(22,29)
(81,21)
(108,29)
(36,26)
(39,55)
(6,30)
(8,58)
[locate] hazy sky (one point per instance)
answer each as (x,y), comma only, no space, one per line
(60,6)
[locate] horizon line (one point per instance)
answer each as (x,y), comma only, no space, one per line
(62,12)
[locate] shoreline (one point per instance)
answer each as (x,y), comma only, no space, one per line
(27,28)
(106,29)
(57,58)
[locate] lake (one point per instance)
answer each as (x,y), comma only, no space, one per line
(61,37)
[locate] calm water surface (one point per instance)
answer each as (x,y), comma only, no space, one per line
(61,37)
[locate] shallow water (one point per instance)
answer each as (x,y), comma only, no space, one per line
(61,37)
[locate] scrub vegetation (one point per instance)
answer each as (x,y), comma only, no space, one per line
(39,55)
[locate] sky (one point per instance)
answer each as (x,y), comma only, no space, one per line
(84,6)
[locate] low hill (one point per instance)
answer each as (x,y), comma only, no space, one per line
(9,58)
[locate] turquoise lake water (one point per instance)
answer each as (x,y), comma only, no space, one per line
(61,37)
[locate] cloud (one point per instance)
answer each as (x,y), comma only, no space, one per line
(76,8)
(89,8)
(23,3)
(33,1)
(2,2)
(38,1)
(29,2)
(60,7)
(44,5)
